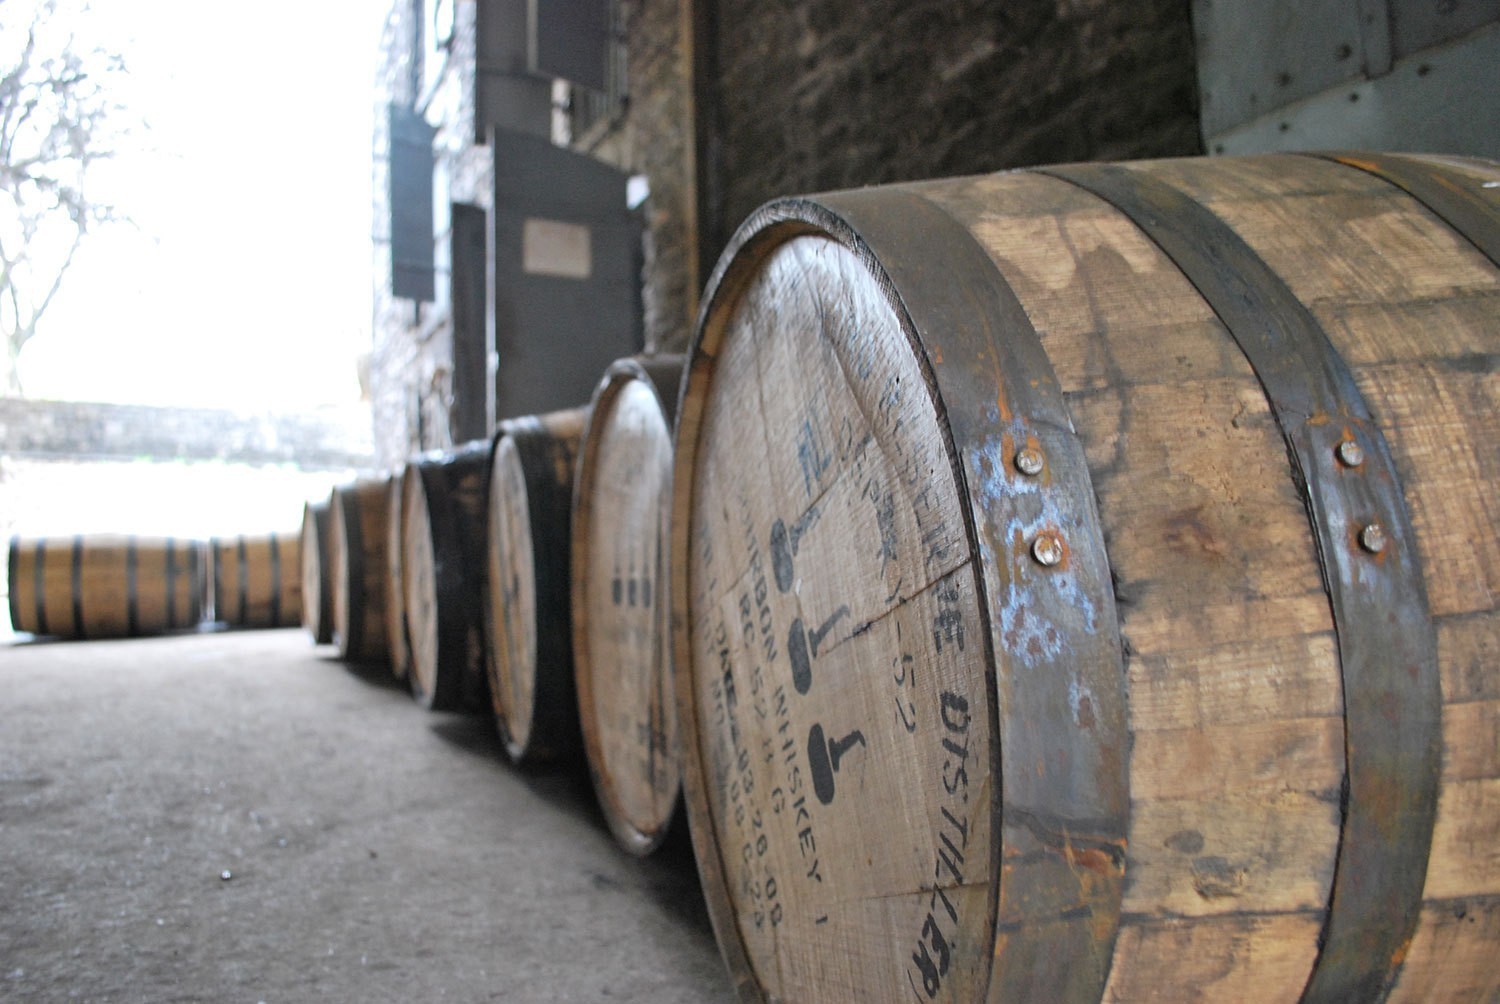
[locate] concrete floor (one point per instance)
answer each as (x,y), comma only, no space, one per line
(374,851)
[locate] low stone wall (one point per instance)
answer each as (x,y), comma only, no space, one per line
(331,440)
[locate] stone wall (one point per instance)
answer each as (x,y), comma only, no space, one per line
(330,440)
(819,95)
(800,96)
(652,136)
(729,103)
(410,375)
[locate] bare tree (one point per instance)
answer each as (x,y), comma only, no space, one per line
(57,122)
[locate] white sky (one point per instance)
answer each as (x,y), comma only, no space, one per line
(248,284)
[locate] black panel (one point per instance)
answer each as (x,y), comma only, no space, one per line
(565,263)
(411,205)
(469,416)
(572,37)
(507,95)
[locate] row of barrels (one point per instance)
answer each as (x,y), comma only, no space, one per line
(103,585)
(522,576)
(1082,583)
(1070,584)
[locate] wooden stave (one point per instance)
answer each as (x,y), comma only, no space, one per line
(662,376)
(454,484)
(1415,396)
(547,449)
(356,529)
(256,580)
(113,585)
(721,910)
(317,591)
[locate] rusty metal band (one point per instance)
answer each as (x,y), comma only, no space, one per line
(39,585)
(452,592)
(1062,818)
(170,561)
(554,700)
(76,584)
(275,581)
(1386,640)
(1453,197)
(12,553)
(242,578)
(353,584)
(132,574)
(215,571)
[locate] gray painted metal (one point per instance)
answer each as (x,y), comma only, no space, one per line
(1361,74)
(570,39)
(564,258)
(507,94)
(472,415)
(1255,57)
(411,204)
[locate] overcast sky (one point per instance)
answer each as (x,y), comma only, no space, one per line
(247,283)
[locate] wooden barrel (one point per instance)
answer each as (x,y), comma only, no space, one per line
(398,638)
(443,547)
(622,664)
(256,580)
(105,585)
(317,564)
(527,622)
(357,535)
(1085,583)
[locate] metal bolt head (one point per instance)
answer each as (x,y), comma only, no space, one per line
(1029,461)
(1351,454)
(1047,549)
(1372,538)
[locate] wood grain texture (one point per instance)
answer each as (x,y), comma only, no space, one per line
(832,687)
(357,529)
(621,651)
(1414,308)
(106,585)
(1232,655)
(527,598)
(445,497)
(256,579)
(317,564)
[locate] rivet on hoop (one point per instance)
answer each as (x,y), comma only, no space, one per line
(1350,453)
(1047,549)
(1372,538)
(1029,461)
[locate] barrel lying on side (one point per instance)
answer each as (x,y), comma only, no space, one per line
(357,534)
(621,651)
(256,579)
(105,585)
(1079,574)
(443,561)
(317,566)
(526,598)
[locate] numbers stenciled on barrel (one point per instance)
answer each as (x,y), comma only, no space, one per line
(763,891)
(904,672)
